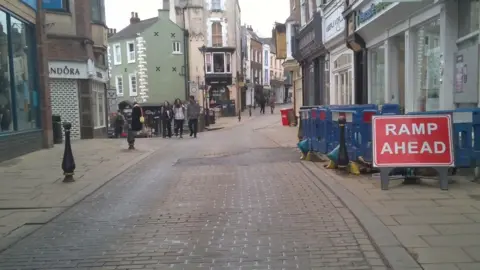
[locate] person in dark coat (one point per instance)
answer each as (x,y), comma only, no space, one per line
(167,117)
(135,125)
(262,103)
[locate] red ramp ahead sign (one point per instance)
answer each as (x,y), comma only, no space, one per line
(412,141)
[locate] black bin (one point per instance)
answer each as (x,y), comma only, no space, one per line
(57,129)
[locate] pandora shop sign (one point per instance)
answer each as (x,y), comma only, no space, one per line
(67,70)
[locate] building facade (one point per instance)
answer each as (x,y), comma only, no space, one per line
(24,104)
(77,64)
(214,58)
(148,60)
(417,52)
(339,72)
(277,80)
(312,55)
(266,64)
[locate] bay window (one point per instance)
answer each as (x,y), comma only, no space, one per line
(98,11)
(218,62)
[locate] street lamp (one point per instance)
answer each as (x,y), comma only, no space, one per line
(205,107)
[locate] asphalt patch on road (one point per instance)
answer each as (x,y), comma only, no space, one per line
(244,158)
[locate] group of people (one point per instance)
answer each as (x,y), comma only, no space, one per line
(177,114)
(262,102)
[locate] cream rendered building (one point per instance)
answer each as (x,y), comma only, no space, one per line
(214,51)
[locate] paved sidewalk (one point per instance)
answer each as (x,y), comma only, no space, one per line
(415,226)
(32,191)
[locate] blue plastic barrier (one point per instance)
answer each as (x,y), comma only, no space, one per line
(465,127)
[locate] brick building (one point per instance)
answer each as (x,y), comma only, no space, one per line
(72,84)
(77,48)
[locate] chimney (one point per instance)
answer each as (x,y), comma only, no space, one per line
(134,18)
(166,5)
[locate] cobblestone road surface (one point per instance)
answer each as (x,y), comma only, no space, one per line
(230,199)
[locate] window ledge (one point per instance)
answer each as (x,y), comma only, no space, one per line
(467,37)
(117,64)
(131,62)
(119,95)
(134,95)
(99,127)
(58,12)
(177,53)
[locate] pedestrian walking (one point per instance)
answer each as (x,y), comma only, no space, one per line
(136,124)
(119,124)
(262,102)
(179,117)
(272,103)
(167,117)
(193,112)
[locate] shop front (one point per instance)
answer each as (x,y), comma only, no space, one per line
(78,96)
(20,125)
(407,52)
(340,71)
(311,54)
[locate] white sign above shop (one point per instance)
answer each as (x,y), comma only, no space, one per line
(67,70)
(334,24)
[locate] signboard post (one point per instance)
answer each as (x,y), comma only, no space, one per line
(413,141)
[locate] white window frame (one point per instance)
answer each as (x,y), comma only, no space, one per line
(119,92)
(131,57)
(117,60)
(225,57)
(130,84)
(220,3)
(177,47)
(99,116)
(211,63)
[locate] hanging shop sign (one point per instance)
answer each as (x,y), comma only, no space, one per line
(334,24)
(369,12)
(67,70)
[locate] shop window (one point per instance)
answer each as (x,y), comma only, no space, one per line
(131,52)
(468,17)
(6,114)
(217,35)
(98,11)
(21,38)
(377,75)
(98,92)
(428,62)
(228,64)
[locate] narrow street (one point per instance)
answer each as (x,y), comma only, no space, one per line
(231,199)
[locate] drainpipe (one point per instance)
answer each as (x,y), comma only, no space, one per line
(43,89)
(185,59)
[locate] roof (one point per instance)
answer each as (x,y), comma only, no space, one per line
(270,42)
(132,29)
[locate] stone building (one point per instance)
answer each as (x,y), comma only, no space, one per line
(214,48)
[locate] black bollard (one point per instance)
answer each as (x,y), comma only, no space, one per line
(342,150)
(68,162)
(250,110)
(239,115)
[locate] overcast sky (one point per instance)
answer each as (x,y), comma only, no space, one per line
(261,14)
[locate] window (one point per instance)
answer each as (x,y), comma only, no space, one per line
(132,78)
(177,48)
(98,91)
(468,17)
(272,77)
(218,62)
(216,4)
(217,40)
(208,62)
(377,83)
(428,57)
(266,76)
(259,56)
(303,18)
(266,58)
(119,85)
(228,60)
(131,52)
(18,97)
(98,11)
(61,5)
(117,54)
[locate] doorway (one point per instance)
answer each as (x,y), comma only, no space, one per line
(397,76)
